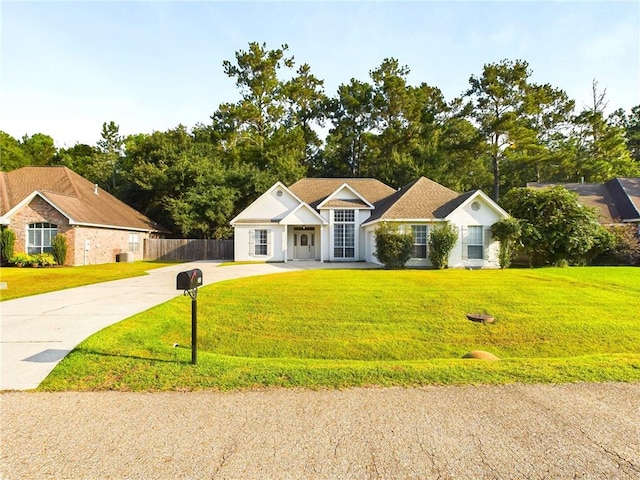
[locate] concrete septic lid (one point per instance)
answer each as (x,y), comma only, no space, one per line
(480,317)
(481,355)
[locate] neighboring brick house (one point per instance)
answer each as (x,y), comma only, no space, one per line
(39,202)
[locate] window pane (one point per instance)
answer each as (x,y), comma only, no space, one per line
(419,251)
(475,235)
(349,235)
(338,252)
(349,252)
(475,251)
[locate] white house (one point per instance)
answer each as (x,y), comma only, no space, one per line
(334,219)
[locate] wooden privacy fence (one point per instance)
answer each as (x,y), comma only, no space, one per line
(186,250)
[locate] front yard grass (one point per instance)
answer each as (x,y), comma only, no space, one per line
(344,328)
(23,282)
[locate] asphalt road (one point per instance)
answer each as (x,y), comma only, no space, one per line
(588,431)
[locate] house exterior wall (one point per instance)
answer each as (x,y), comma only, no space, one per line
(243,243)
(461,219)
(370,247)
(93,245)
(464,217)
(104,243)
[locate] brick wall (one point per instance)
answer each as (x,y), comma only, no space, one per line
(104,243)
(35,212)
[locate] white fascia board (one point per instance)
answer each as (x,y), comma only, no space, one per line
(112,227)
(344,185)
(273,187)
(28,199)
(308,207)
(404,220)
(479,193)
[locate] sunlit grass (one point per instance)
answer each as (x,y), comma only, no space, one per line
(23,282)
(339,328)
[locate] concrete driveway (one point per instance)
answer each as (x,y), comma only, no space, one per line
(37,332)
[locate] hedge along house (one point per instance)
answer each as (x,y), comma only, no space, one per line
(335,220)
(39,202)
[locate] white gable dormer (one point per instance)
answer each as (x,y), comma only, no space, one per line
(346,193)
(273,205)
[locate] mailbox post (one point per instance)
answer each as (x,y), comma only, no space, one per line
(189,281)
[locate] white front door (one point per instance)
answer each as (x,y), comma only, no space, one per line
(304,244)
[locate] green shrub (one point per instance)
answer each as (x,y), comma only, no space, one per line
(441,242)
(43,259)
(393,247)
(59,244)
(556,228)
(7,242)
(21,259)
(624,248)
(507,232)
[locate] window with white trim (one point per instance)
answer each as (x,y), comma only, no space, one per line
(260,245)
(475,245)
(134,242)
(344,234)
(39,237)
(420,236)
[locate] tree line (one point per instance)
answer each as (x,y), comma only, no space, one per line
(503,131)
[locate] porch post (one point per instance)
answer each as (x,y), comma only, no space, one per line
(320,243)
(286,242)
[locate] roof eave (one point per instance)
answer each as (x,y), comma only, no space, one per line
(404,220)
(26,200)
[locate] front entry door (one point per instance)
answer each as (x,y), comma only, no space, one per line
(304,245)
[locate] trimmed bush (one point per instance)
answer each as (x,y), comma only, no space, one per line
(393,247)
(441,242)
(7,242)
(21,259)
(43,259)
(59,244)
(507,232)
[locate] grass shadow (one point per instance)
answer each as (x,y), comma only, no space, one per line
(133,357)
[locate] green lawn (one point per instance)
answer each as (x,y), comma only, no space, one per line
(341,328)
(23,282)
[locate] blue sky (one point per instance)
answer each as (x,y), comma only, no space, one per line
(67,67)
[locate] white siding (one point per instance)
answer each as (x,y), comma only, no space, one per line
(243,242)
(464,217)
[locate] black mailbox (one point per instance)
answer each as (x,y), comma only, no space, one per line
(189,280)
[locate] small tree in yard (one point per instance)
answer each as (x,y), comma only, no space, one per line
(507,232)
(59,245)
(393,247)
(556,228)
(441,242)
(7,242)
